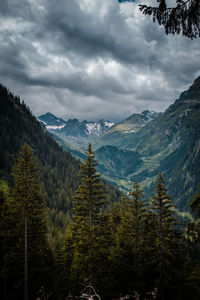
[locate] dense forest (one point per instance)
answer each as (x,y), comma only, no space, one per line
(58,168)
(63,229)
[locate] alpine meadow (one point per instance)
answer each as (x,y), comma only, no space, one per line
(100,149)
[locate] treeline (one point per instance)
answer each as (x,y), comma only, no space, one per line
(137,248)
(134,247)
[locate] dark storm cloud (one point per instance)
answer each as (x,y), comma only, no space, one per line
(89,56)
(89,35)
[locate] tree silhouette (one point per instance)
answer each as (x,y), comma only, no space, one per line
(183,18)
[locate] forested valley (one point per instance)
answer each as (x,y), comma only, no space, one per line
(63,229)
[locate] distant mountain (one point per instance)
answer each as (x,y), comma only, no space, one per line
(170,143)
(115,135)
(74,131)
(52,122)
(136,121)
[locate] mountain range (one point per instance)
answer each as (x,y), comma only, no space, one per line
(144,144)
(73,130)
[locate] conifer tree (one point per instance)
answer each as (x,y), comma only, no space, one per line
(138,209)
(163,208)
(31,218)
(195,203)
(90,194)
(87,228)
(131,236)
(166,236)
(9,237)
(3,244)
(193,231)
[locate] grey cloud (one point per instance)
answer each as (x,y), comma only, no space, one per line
(46,50)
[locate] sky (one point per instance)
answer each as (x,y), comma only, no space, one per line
(92,59)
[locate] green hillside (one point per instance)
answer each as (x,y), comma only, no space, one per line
(58,168)
(170,143)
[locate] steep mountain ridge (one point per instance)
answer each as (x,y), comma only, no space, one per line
(74,127)
(170,143)
(51,121)
(116,134)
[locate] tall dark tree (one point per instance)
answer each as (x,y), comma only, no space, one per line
(167,237)
(5,245)
(193,228)
(195,203)
(86,228)
(31,219)
(131,237)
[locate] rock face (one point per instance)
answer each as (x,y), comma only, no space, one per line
(51,121)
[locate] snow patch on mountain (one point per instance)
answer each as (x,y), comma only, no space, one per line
(97,128)
(54,127)
(73,128)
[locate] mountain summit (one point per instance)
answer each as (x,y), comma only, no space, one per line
(51,122)
(193,93)
(136,121)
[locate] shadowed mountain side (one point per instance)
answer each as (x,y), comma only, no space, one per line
(170,143)
(58,168)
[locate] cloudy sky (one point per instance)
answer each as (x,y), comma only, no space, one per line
(92,59)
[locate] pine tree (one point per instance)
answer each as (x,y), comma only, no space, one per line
(131,237)
(9,237)
(193,231)
(195,203)
(31,220)
(167,238)
(138,209)
(87,228)
(3,243)
(90,195)
(163,208)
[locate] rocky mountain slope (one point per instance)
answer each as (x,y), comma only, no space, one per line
(73,131)
(116,134)
(170,143)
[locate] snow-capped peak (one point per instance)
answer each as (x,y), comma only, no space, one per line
(97,128)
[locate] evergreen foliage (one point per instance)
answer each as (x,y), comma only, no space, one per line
(58,169)
(183,18)
(133,247)
(195,203)
(88,227)
(168,240)
(31,224)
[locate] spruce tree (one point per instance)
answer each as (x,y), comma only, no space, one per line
(195,202)
(90,194)
(31,220)
(138,209)
(4,250)
(163,208)
(167,238)
(131,236)
(87,227)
